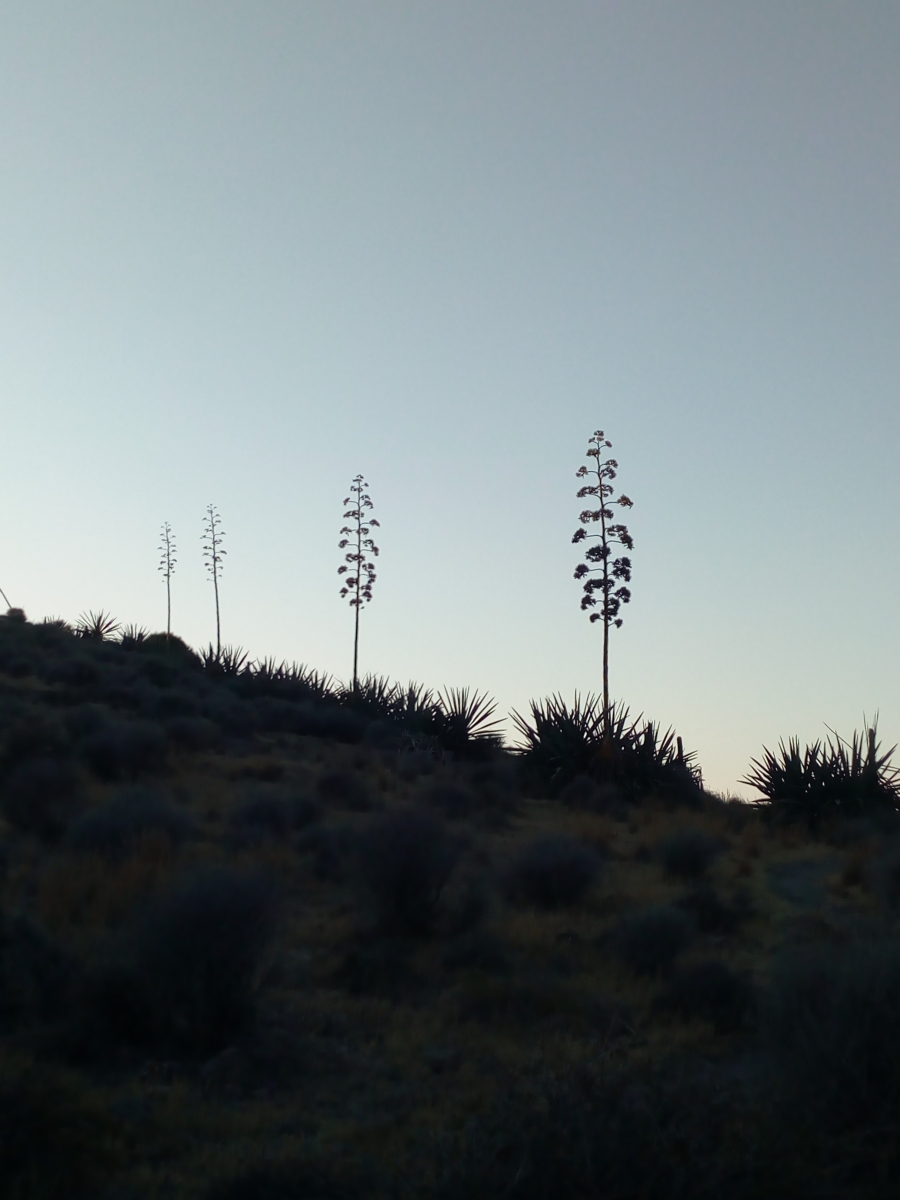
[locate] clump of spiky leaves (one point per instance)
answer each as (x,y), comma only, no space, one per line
(286,681)
(601,572)
(131,636)
(357,567)
(96,626)
(229,661)
(830,778)
(561,742)
(465,721)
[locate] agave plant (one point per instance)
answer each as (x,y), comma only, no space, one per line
(96,626)
(374,696)
(465,721)
(229,661)
(829,778)
(609,745)
(132,635)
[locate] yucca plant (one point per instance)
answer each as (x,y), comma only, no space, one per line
(230,661)
(374,696)
(96,626)
(131,636)
(465,723)
(608,745)
(833,777)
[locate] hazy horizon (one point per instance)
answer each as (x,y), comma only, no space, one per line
(252,250)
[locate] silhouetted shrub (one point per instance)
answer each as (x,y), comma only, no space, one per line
(35,736)
(173,702)
(330,847)
(649,940)
(114,827)
(711,914)
(265,810)
(688,853)
(710,991)
(193,733)
(664,1135)
(85,719)
(832,1020)
(376,967)
(585,793)
(55,1140)
(76,671)
(552,871)
(345,790)
(406,858)
(453,802)
(883,876)
(196,953)
(35,973)
(126,749)
(305,1179)
(20,666)
(41,796)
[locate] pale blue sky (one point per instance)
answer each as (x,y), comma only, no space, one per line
(250,249)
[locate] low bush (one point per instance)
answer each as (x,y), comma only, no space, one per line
(126,750)
(40,796)
(193,733)
(193,959)
(35,974)
(710,991)
(688,853)
(330,846)
(452,801)
(406,859)
(267,810)
(584,793)
(55,1139)
(345,790)
(831,1020)
(305,1179)
(34,736)
(649,940)
(551,872)
(114,827)
(711,914)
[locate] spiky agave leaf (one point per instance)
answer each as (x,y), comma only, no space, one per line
(96,626)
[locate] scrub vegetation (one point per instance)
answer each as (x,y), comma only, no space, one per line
(264,935)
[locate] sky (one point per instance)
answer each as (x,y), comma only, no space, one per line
(249,250)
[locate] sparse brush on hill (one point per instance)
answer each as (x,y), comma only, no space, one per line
(834,778)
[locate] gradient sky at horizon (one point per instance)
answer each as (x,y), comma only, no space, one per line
(248,250)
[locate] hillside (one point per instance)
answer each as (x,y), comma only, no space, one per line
(258,945)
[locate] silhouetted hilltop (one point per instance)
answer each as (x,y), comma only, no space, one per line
(265,938)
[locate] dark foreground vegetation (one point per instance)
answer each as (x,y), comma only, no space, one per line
(265,939)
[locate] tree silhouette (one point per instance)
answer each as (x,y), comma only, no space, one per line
(359,570)
(167,566)
(212,557)
(601,572)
